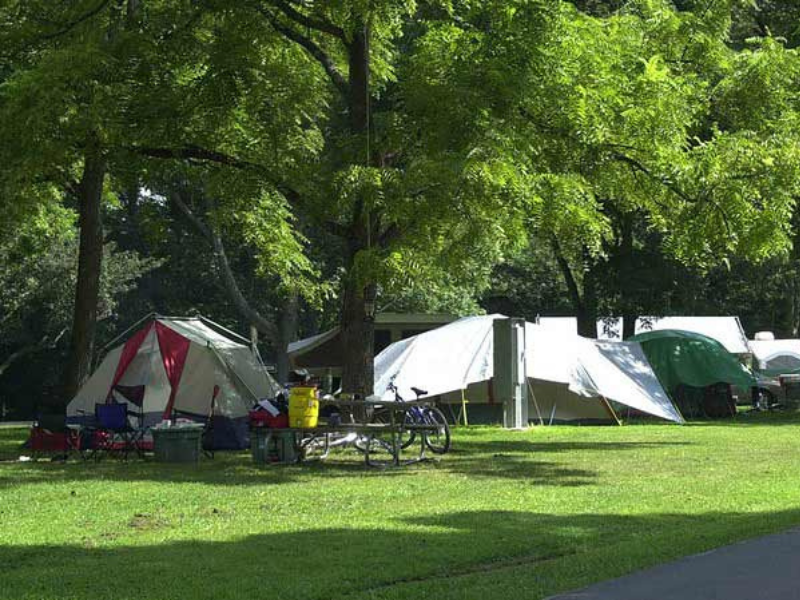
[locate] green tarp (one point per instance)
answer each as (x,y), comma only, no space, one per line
(682,357)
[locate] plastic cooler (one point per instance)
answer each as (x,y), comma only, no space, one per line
(177,444)
(303,407)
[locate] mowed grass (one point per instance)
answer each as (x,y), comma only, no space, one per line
(507,514)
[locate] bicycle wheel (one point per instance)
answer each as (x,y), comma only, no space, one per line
(437,441)
(408,436)
(374,441)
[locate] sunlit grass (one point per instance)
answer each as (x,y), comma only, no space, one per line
(516,514)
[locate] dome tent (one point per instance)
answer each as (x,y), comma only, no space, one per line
(686,358)
(184,366)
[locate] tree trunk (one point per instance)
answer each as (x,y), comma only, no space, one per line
(628,324)
(226,277)
(627,277)
(584,304)
(587,315)
(357,321)
(358,338)
(90,264)
(288,333)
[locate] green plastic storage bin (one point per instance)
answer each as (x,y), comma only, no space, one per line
(177,444)
(269,446)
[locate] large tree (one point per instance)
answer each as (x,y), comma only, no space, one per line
(325,122)
(68,63)
(650,122)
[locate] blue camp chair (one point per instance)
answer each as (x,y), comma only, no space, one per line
(113,434)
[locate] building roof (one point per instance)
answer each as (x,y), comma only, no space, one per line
(325,349)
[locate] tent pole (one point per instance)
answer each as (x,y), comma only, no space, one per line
(464,408)
(225,329)
(552,414)
(535,403)
(610,410)
(147,317)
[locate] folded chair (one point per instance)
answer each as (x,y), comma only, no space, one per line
(51,436)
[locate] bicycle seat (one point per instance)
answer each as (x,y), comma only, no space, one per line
(419,392)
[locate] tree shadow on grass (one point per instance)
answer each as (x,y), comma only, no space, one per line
(520,468)
(227,468)
(238,470)
(408,557)
(494,446)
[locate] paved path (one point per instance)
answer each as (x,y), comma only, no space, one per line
(767,568)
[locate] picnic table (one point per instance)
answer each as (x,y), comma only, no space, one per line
(363,426)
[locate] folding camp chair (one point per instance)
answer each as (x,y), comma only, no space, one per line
(50,435)
(113,433)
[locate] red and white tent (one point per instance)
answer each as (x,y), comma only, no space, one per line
(180,366)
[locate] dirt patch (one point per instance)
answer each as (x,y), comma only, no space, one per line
(147,522)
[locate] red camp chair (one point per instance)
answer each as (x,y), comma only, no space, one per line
(50,436)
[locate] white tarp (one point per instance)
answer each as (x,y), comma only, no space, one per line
(441,360)
(728,331)
(777,354)
(617,371)
(452,357)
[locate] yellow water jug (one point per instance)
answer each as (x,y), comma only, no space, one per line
(303,407)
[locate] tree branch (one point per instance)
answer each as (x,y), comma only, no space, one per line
(44,344)
(227,279)
(192,152)
(636,165)
(312,48)
(389,235)
(72,24)
(197,153)
(320,24)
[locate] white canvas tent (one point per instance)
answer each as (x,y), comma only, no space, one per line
(460,355)
(728,331)
(180,366)
(777,355)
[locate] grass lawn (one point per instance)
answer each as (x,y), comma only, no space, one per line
(507,514)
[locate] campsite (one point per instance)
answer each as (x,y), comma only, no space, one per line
(391,300)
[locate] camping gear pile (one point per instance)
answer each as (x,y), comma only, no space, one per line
(174,381)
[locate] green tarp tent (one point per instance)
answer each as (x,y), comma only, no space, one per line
(691,359)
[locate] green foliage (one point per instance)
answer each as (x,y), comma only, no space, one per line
(488,122)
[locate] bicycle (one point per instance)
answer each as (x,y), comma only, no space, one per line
(435,431)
